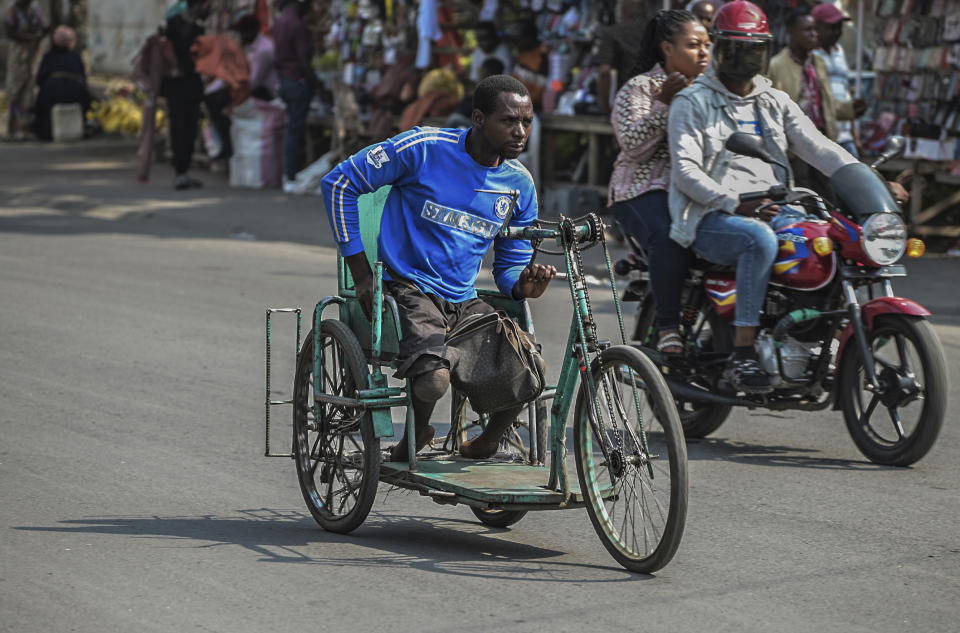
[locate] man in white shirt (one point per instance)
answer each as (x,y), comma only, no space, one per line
(829,22)
(489,44)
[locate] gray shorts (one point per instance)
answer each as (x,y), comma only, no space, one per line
(425,320)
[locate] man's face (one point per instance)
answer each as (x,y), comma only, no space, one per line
(487,40)
(704,12)
(507,128)
(803,35)
(829,34)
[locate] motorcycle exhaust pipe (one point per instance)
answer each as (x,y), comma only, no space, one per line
(689,393)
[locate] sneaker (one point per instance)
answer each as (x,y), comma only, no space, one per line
(289,186)
(184,181)
(746,375)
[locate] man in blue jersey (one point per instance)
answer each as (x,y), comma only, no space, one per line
(435,230)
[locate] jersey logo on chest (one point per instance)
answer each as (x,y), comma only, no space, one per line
(459,220)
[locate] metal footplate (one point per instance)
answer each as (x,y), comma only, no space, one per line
(269,401)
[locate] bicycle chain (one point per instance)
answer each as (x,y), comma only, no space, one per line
(594,342)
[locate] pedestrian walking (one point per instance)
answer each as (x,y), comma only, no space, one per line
(25,29)
(298,82)
(184,91)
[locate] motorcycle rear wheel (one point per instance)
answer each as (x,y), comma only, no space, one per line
(889,430)
(698,420)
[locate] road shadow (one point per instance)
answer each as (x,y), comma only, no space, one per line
(720,449)
(456,547)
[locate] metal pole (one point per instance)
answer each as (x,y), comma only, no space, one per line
(859,64)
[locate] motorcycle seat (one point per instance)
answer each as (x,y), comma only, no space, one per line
(709,267)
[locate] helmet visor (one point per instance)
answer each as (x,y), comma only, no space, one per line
(741,60)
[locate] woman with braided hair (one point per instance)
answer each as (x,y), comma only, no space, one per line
(675,50)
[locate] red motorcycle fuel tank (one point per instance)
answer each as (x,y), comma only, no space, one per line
(797,265)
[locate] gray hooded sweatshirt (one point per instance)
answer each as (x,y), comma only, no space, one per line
(705,177)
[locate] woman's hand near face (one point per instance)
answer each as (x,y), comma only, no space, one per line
(674,83)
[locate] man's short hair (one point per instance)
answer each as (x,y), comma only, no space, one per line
(488,26)
(486,96)
(492,66)
(794,15)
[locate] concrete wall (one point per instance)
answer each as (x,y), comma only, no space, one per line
(118,29)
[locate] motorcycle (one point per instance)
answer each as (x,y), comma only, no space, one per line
(832,332)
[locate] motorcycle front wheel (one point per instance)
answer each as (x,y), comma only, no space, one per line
(898,426)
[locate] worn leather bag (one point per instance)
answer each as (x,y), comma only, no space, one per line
(499,366)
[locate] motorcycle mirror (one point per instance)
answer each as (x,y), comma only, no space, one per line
(752,146)
(894,147)
(748,145)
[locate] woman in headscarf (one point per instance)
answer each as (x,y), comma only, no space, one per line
(61,79)
(25,28)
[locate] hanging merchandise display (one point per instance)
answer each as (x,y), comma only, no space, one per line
(918,75)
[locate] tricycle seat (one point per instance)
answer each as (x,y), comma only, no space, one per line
(371,212)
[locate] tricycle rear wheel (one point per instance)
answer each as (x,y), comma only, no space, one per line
(632,460)
(336,451)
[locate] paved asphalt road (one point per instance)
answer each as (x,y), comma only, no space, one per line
(134,497)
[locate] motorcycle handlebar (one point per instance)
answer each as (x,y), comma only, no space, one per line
(776,192)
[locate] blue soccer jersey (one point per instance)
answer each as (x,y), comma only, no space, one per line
(436,228)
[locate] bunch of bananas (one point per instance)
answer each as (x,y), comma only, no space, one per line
(121,114)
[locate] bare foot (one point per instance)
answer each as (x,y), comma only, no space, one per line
(424,436)
(477,448)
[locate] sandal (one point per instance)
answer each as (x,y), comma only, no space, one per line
(670,344)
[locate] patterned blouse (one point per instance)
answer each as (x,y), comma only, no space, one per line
(640,123)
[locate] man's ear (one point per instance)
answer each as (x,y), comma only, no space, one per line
(477,117)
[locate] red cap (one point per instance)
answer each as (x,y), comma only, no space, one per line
(828,13)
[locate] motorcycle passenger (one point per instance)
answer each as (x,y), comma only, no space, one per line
(434,233)
(707,179)
(675,50)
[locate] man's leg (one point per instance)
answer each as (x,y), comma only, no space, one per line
(428,388)
(485,445)
(297,96)
(423,324)
(177,124)
(216,103)
(752,246)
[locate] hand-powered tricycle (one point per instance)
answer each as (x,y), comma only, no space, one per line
(628,444)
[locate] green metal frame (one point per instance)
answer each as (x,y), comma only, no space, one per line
(380,339)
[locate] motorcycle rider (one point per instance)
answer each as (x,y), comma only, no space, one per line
(706,179)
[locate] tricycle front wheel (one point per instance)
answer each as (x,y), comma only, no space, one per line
(498,518)
(336,451)
(632,460)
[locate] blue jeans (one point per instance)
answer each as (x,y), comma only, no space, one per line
(296,94)
(647,218)
(747,243)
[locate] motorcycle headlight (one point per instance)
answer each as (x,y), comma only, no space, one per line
(884,238)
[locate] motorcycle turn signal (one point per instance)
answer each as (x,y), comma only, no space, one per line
(915,247)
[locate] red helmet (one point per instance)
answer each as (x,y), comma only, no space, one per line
(741,41)
(741,20)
